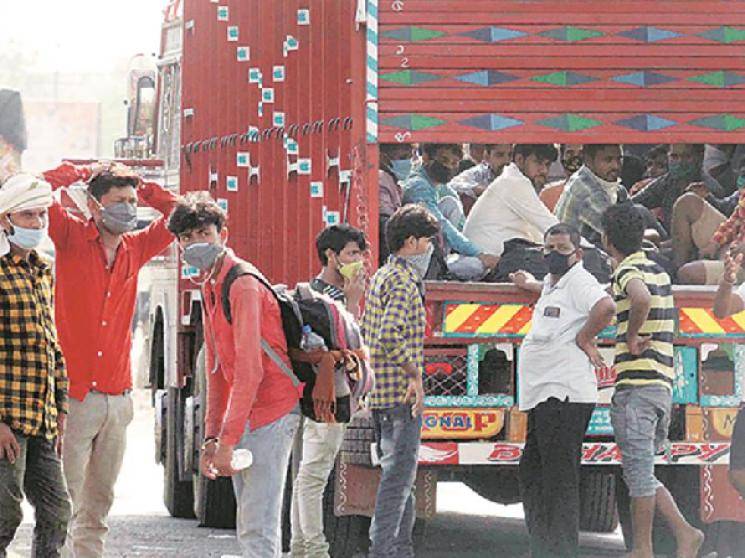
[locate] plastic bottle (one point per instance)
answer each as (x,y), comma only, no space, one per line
(242,459)
(311,341)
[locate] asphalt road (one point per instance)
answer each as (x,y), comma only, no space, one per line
(467,526)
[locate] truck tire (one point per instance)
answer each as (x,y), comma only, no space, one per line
(360,435)
(597,512)
(178,495)
(497,484)
(214,500)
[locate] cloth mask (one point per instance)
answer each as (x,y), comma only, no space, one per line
(203,255)
(401,168)
(683,171)
(120,217)
(420,262)
(558,264)
(27,239)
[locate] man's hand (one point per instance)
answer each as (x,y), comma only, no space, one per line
(709,251)
(58,443)
(732,265)
(207,460)
(415,396)
(490,261)
(637,344)
(698,188)
(590,348)
(522,279)
(9,447)
(222,459)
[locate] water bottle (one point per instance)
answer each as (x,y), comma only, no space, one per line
(242,459)
(311,341)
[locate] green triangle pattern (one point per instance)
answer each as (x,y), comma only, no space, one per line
(578,34)
(724,122)
(733,35)
(421,34)
(419,122)
(717,79)
(557,78)
(408,77)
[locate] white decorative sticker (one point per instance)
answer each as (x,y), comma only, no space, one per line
(292,147)
(222,13)
(304,166)
(222,203)
(243,159)
(278,119)
(303,17)
(333,217)
(278,74)
(292,43)
(254,75)
(267,95)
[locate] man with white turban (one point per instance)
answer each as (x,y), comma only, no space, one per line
(33,377)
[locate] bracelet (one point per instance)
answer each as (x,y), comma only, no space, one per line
(208,441)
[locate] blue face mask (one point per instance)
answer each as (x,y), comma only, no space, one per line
(401,168)
(27,239)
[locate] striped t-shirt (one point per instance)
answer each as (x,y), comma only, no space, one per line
(655,366)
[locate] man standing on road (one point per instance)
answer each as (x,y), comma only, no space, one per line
(558,390)
(33,381)
(97,263)
(641,405)
(252,398)
(393,327)
(340,249)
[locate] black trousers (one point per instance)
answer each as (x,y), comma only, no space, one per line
(549,476)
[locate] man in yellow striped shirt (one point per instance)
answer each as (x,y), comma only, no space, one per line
(642,402)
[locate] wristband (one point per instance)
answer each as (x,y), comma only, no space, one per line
(208,441)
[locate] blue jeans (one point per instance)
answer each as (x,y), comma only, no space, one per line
(259,488)
(398,436)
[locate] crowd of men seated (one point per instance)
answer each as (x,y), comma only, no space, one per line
(495,202)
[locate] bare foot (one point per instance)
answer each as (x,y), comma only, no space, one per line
(690,543)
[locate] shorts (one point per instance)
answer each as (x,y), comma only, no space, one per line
(737,450)
(641,417)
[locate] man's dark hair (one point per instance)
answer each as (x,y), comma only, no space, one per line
(590,150)
(431,149)
(337,237)
(194,211)
(624,227)
(490,146)
(410,220)
(563,148)
(565,228)
(542,151)
(101,184)
(658,151)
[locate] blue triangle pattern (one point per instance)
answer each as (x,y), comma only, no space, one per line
(491,122)
(649,34)
(493,34)
(643,79)
(646,123)
(486,77)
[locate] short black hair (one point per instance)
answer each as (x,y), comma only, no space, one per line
(431,149)
(194,211)
(563,147)
(101,184)
(542,151)
(624,227)
(590,150)
(410,220)
(337,237)
(658,151)
(567,229)
(491,146)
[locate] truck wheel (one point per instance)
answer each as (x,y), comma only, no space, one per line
(214,500)
(497,484)
(360,435)
(177,494)
(597,512)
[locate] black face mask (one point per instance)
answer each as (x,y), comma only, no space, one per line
(572,164)
(558,264)
(439,172)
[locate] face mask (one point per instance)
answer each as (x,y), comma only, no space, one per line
(401,168)
(439,172)
(558,264)
(120,217)
(740,182)
(27,239)
(203,255)
(572,164)
(683,171)
(350,270)
(420,262)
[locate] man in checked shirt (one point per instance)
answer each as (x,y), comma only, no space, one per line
(33,380)
(393,327)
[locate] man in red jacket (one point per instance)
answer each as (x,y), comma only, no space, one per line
(97,263)
(252,398)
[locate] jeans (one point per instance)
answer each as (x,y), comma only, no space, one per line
(38,473)
(398,436)
(640,418)
(549,475)
(259,488)
(95,441)
(321,444)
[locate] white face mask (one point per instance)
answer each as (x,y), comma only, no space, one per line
(420,262)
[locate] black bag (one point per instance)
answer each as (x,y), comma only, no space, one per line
(519,255)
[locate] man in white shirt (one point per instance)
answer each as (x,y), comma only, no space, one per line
(557,387)
(510,208)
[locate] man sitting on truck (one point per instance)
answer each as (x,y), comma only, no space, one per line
(472,182)
(396,161)
(252,402)
(571,161)
(642,402)
(558,390)
(510,208)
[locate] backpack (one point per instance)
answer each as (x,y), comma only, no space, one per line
(327,318)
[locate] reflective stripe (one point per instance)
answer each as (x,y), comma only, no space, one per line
(276,359)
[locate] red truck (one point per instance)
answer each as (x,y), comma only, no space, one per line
(278,108)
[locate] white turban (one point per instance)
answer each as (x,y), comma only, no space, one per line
(19,193)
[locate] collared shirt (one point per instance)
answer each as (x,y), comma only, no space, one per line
(94,301)
(655,365)
(509,208)
(584,201)
(478,176)
(393,327)
(243,382)
(550,363)
(33,381)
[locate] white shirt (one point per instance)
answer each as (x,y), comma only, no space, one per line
(509,208)
(550,364)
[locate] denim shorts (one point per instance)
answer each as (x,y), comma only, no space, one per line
(641,417)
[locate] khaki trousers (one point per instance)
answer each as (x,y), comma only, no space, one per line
(95,440)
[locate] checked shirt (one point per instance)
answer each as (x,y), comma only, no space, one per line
(33,379)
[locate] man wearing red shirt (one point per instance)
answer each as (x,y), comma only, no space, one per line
(252,398)
(97,263)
